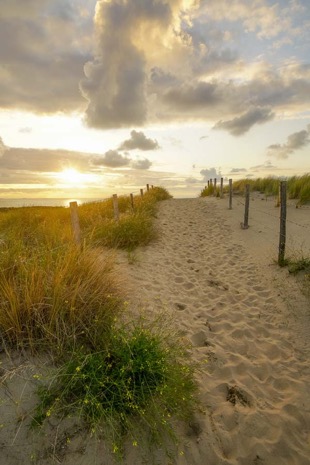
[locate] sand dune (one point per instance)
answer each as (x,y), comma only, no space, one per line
(249,326)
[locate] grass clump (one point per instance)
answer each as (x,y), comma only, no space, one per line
(207,191)
(132,390)
(51,301)
(298,187)
(295,266)
(128,233)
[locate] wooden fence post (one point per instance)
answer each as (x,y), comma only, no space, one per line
(115,207)
(221,192)
(141,192)
(245,225)
(75,222)
(132,202)
(214,192)
(208,183)
(230,194)
(147,187)
(282,241)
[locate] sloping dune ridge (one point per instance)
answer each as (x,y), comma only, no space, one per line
(247,320)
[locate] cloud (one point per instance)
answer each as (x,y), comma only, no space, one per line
(43,48)
(243,123)
(2,147)
(139,141)
(144,164)
(153,62)
(237,170)
(115,81)
(295,141)
(25,130)
(42,160)
(111,159)
(210,173)
(264,167)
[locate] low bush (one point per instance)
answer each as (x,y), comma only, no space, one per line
(135,388)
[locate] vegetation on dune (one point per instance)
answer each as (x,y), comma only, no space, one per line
(134,388)
(298,187)
(130,381)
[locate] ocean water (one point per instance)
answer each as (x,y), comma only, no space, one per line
(13,203)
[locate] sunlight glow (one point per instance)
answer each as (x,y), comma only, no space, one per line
(71,176)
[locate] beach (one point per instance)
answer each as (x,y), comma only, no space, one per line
(246,318)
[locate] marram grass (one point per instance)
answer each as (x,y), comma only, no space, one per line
(298,187)
(133,383)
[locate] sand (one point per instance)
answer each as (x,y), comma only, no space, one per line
(249,325)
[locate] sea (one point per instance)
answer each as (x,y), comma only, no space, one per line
(48,202)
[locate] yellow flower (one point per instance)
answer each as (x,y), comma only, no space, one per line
(134,443)
(78,369)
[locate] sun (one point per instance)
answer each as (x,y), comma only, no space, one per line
(71,176)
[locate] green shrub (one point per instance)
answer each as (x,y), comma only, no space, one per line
(135,388)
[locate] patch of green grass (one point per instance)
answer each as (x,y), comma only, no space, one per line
(135,388)
(129,232)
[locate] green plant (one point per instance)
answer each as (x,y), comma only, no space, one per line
(127,233)
(135,388)
(302,264)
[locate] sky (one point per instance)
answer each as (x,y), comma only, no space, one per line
(105,96)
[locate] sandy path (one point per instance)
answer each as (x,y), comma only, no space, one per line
(243,315)
(255,387)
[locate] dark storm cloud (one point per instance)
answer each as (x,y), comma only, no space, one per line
(138,140)
(295,141)
(243,123)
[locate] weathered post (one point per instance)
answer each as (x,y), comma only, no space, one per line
(214,192)
(147,187)
(75,223)
(221,191)
(282,241)
(141,192)
(132,202)
(115,207)
(245,225)
(230,194)
(208,183)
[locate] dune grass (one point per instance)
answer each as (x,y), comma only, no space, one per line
(298,187)
(131,381)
